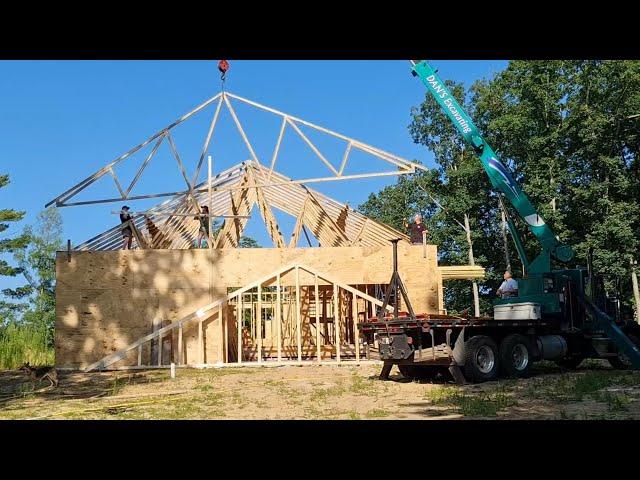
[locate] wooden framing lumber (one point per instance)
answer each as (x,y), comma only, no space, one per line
(298,315)
(313,147)
(295,235)
(241,204)
(283,126)
(336,320)
(62,198)
(356,332)
(240,129)
(144,165)
(267,215)
(279,316)
(401,166)
(173,226)
(461,272)
(216,307)
(207,141)
(259,323)
(117,182)
(240,325)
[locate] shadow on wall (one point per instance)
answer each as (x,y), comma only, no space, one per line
(107,300)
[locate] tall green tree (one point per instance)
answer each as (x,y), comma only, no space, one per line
(38,265)
(568,130)
(454,194)
(12,306)
(522,113)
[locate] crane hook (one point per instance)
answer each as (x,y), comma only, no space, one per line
(223,67)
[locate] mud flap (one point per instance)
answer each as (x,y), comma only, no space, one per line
(458,360)
(459,350)
(386,370)
(457,375)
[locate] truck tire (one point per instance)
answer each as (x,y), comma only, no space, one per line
(418,372)
(621,362)
(481,359)
(516,356)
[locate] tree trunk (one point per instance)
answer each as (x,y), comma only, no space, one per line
(636,291)
(505,240)
(476,294)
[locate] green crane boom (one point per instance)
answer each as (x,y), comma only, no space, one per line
(500,177)
(535,286)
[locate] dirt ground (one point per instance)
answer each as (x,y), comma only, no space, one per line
(594,391)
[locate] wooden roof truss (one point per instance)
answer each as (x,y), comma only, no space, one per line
(236,190)
(170,225)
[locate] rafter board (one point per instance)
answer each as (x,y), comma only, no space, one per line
(288,198)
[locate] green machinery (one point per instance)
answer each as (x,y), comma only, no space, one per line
(541,284)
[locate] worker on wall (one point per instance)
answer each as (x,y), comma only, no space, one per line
(417,230)
(508,288)
(205,222)
(127,231)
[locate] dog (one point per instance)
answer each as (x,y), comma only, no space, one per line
(38,374)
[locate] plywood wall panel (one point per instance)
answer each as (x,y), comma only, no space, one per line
(106,300)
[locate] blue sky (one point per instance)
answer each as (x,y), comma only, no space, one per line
(63,120)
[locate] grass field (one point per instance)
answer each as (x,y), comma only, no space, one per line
(594,391)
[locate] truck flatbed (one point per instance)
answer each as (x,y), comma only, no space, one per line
(427,321)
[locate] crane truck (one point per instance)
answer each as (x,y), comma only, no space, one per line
(558,314)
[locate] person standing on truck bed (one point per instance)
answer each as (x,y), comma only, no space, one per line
(127,232)
(417,230)
(509,287)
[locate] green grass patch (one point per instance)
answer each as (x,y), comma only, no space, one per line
(575,387)
(24,343)
(591,382)
(615,402)
(362,386)
(213,400)
(282,389)
(377,413)
(479,404)
(323,394)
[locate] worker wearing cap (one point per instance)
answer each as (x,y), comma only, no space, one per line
(417,230)
(509,287)
(205,225)
(127,232)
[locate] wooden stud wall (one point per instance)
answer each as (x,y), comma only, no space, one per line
(106,300)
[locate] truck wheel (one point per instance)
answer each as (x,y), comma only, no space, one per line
(481,359)
(516,357)
(418,372)
(622,362)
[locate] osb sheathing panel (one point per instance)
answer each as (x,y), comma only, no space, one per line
(107,300)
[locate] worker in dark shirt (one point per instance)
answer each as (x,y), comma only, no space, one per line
(417,230)
(127,232)
(205,222)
